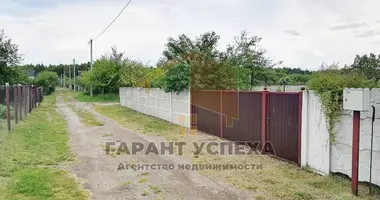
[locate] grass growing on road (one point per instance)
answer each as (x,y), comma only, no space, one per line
(87,118)
(276,179)
(30,155)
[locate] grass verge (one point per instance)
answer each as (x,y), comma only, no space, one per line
(275,180)
(139,122)
(83,97)
(29,156)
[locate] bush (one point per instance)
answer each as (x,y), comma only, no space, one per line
(48,81)
(329,85)
(3,112)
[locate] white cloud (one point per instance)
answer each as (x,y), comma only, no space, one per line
(60,33)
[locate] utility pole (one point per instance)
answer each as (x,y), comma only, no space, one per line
(70,77)
(91,64)
(74,74)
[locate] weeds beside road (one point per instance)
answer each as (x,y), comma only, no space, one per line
(82,97)
(30,156)
(276,180)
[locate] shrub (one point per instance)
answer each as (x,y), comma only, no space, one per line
(329,85)
(47,80)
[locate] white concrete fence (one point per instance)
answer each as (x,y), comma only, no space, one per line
(316,150)
(318,153)
(157,103)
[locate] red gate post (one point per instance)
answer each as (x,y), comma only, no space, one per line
(264,119)
(7,97)
(355,152)
(221,114)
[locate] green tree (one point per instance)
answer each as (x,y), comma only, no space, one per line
(177,78)
(368,66)
(48,81)
(9,56)
(246,52)
(179,49)
(104,77)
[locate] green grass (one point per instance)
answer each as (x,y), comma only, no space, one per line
(139,122)
(143,180)
(30,155)
(126,183)
(83,97)
(155,189)
(276,179)
(3,129)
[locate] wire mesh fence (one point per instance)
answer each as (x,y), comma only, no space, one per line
(16,102)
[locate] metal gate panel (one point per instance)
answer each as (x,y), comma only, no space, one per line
(244,121)
(283,127)
(205,106)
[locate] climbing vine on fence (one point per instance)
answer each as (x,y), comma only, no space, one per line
(329,86)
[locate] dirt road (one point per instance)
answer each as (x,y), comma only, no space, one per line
(100,174)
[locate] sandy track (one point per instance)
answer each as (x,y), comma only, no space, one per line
(104,181)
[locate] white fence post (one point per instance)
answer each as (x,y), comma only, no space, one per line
(146,100)
(157,115)
(171,106)
(304,130)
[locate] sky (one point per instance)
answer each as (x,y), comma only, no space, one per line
(301,33)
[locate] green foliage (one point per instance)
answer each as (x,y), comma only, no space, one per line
(368,66)
(211,74)
(104,78)
(47,80)
(135,74)
(176,79)
(329,85)
(243,78)
(83,97)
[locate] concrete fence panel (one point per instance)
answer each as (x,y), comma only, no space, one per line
(155,102)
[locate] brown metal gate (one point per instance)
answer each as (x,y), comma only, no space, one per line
(283,125)
(271,118)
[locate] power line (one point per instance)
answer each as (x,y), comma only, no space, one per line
(113,20)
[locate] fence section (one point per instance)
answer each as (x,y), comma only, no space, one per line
(172,107)
(16,101)
(270,119)
(239,116)
(231,115)
(246,123)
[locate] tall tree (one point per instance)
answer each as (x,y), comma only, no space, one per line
(9,56)
(368,66)
(246,52)
(180,49)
